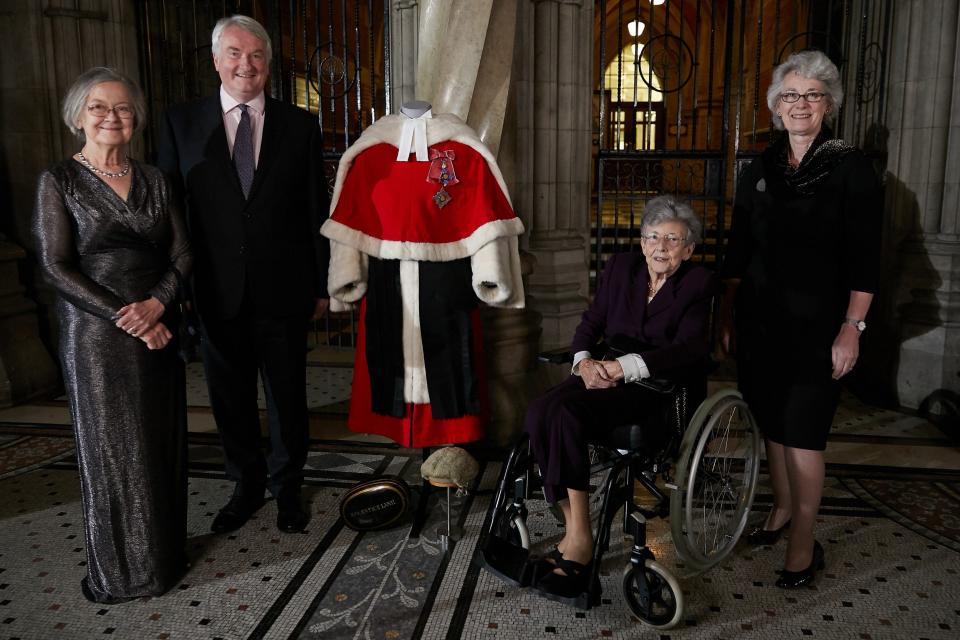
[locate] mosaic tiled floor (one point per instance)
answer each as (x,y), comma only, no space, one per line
(892,543)
(890,523)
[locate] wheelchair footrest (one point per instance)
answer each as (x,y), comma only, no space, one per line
(507,561)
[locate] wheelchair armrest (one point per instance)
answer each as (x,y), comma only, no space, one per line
(556,356)
(660,385)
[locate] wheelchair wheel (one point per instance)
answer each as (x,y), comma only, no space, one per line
(716,479)
(652,594)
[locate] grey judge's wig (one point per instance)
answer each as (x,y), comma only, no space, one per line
(814,65)
(76,99)
(668,209)
(246,23)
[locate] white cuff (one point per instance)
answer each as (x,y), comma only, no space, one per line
(634,368)
(577,357)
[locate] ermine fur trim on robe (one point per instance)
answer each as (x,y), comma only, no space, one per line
(493,247)
(496,273)
(427,251)
(347,276)
(440,128)
(414,362)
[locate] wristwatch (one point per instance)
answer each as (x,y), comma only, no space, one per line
(859,324)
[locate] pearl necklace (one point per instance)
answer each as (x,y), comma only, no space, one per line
(654,288)
(101,172)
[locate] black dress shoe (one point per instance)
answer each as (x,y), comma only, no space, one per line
(760,536)
(291,516)
(236,512)
(797,579)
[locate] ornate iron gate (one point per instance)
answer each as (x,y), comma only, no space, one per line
(680,104)
(330,57)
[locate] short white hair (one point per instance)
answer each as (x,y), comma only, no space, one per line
(76,99)
(811,64)
(669,209)
(246,23)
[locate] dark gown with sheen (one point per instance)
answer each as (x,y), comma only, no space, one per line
(801,241)
(127,401)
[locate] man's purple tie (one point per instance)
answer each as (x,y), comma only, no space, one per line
(243,151)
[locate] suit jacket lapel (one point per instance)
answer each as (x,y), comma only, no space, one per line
(637,293)
(667,294)
(217,148)
(273,126)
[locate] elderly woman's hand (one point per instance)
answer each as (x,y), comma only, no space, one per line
(614,369)
(595,375)
(139,317)
(846,350)
(157,336)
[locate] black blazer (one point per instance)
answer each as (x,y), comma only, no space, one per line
(670,332)
(268,247)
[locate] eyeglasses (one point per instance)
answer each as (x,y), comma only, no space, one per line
(123,111)
(673,240)
(809,96)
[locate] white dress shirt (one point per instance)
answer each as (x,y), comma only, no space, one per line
(231,120)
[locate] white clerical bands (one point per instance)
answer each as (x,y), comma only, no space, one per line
(414,135)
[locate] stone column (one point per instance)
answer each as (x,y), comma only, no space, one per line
(553,85)
(922,231)
(404,36)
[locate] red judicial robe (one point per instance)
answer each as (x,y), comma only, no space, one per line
(412,266)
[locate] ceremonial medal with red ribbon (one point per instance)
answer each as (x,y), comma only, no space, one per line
(442,172)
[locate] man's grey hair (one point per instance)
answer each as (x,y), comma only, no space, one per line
(814,65)
(75,102)
(246,23)
(668,209)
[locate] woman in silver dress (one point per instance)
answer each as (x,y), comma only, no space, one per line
(113,244)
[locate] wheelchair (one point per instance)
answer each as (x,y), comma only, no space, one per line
(707,464)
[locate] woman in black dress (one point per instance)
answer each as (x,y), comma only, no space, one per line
(113,245)
(801,270)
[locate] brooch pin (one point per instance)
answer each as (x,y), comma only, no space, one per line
(442,172)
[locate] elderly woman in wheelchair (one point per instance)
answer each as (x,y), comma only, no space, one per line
(652,311)
(649,321)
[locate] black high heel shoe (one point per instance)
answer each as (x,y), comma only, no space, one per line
(797,579)
(760,536)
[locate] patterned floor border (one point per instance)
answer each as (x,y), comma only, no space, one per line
(893,566)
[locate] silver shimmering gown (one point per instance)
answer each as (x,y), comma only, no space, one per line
(128,402)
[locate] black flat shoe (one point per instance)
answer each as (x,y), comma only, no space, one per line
(765,537)
(797,579)
(542,565)
(570,588)
(551,556)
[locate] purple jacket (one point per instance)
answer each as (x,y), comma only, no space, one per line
(670,334)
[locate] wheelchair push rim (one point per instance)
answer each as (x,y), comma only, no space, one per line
(717,476)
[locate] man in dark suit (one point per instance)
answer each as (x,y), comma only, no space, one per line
(249,170)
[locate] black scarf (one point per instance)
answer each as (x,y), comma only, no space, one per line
(824,155)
